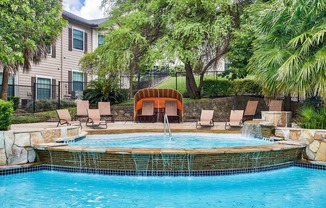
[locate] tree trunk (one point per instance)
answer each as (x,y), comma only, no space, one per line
(192,89)
(287,102)
(131,79)
(5,80)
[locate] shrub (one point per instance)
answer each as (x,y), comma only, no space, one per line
(215,88)
(45,105)
(314,101)
(15,101)
(224,87)
(245,87)
(312,118)
(105,90)
(6,112)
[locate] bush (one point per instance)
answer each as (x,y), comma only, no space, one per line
(45,105)
(224,87)
(6,112)
(245,87)
(216,88)
(15,101)
(105,90)
(312,118)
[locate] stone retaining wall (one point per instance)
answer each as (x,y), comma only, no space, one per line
(17,147)
(314,139)
(191,111)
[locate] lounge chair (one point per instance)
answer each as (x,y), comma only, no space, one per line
(82,107)
(276,105)
(65,118)
(94,118)
(251,109)
(236,117)
(206,118)
(105,110)
(147,111)
(171,109)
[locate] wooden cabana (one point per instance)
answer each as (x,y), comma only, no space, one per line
(159,96)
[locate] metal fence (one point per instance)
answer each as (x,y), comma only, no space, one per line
(40,97)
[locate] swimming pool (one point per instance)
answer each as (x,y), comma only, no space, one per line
(179,140)
(288,187)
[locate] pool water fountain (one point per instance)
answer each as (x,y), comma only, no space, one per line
(170,161)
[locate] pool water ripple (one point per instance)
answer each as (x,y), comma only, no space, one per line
(178,140)
(289,187)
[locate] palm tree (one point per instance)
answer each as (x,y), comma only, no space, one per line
(25,38)
(290,52)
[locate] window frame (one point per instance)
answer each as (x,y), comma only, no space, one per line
(73,39)
(98,39)
(37,87)
(73,81)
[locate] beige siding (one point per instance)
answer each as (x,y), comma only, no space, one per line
(57,68)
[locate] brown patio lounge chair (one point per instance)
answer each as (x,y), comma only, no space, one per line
(276,105)
(94,118)
(236,117)
(171,109)
(82,107)
(147,111)
(251,109)
(105,110)
(206,118)
(65,118)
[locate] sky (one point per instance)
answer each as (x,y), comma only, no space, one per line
(87,9)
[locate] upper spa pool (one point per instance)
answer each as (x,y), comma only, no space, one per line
(178,140)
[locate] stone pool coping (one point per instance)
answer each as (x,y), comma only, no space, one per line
(281,145)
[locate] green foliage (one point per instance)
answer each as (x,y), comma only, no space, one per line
(6,112)
(216,88)
(289,54)
(15,101)
(312,118)
(241,48)
(45,105)
(105,90)
(30,118)
(196,32)
(314,101)
(224,87)
(245,87)
(27,28)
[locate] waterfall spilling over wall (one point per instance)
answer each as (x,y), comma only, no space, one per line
(258,129)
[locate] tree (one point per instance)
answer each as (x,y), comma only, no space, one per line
(27,28)
(139,33)
(290,52)
(199,35)
(131,30)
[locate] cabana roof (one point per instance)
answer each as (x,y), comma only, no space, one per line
(159,96)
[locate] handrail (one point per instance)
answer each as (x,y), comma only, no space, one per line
(167,125)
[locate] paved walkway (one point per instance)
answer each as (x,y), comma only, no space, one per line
(129,126)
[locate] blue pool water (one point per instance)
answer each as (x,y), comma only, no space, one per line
(289,187)
(179,140)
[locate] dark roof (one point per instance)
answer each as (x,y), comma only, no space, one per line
(74,18)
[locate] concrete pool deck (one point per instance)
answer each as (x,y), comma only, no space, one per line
(130,126)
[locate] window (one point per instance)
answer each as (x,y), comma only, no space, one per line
(100,40)
(11,83)
(43,88)
(77,81)
(78,39)
(49,50)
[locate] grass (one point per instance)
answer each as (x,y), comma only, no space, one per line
(179,83)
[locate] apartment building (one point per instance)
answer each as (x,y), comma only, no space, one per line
(62,63)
